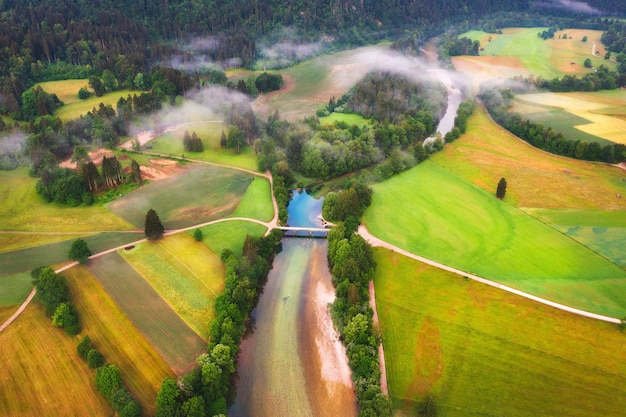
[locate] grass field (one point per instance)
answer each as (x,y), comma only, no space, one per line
(592,114)
(176,342)
(42,374)
(431,212)
(117,338)
(257,201)
(478,69)
(480,351)
(66,90)
(210,132)
(79,108)
(536,179)
(200,194)
(21,208)
(312,83)
(54,253)
(349,118)
(185,273)
(15,241)
(602,231)
(229,235)
(14,289)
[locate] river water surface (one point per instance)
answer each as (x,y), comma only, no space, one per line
(293,363)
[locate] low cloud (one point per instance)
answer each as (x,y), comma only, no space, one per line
(285,53)
(12,143)
(570,5)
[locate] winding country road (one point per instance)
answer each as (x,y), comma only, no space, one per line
(374,241)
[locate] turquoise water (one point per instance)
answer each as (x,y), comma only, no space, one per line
(304,210)
(287,364)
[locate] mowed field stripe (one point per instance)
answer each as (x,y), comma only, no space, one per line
(177,343)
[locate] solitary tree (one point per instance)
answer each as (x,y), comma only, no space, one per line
(587,63)
(153,226)
(79,251)
(501,191)
(197,234)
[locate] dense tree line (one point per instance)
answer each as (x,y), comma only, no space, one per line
(458,46)
(54,294)
(498,103)
(203,391)
(386,96)
(352,264)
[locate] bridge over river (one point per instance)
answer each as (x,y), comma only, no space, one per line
(292,231)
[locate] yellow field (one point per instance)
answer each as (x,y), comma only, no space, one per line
(535,178)
(79,108)
(42,374)
(66,90)
(15,241)
(598,108)
(185,273)
(117,338)
(566,51)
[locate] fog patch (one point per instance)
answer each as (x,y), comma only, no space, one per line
(12,143)
(570,5)
(286,53)
(210,104)
(195,56)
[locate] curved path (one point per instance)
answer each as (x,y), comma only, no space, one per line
(374,241)
(269,225)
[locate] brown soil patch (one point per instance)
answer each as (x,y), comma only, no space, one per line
(428,359)
(95,156)
(160,169)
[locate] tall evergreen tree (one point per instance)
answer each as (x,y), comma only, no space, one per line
(153,226)
(501,191)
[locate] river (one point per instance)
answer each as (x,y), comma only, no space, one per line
(293,363)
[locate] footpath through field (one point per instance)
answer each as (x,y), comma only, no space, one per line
(374,241)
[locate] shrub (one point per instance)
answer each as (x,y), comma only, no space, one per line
(95,359)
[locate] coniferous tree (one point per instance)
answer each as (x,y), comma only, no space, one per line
(223,140)
(153,226)
(135,172)
(501,191)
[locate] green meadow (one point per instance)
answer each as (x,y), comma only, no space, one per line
(14,289)
(66,90)
(185,273)
(257,201)
(210,132)
(433,213)
(349,118)
(479,351)
(230,235)
(79,108)
(200,194)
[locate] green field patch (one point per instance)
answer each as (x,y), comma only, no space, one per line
(15,241)
(566,123)
(185,273)
(175,341)
(66,90)
(230,235)
(602,231)
(480,351)
(349,118)
(200,194)
(55,253)
(80,108)
(14,289)
(22,209)
(431,212)
(257,201)
(210,133)
(476,35)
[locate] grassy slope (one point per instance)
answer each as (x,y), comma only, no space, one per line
(230,235)
(117,338)
(42,374)
(210,132)
(177,343)
(79,108)
(21,208)
(200,194)
(185,273)
(537,179)
(66,90)
(14,289)
(349,118)
(25,259)
(453,222)
(595,114)
(257,201)
(482,352)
